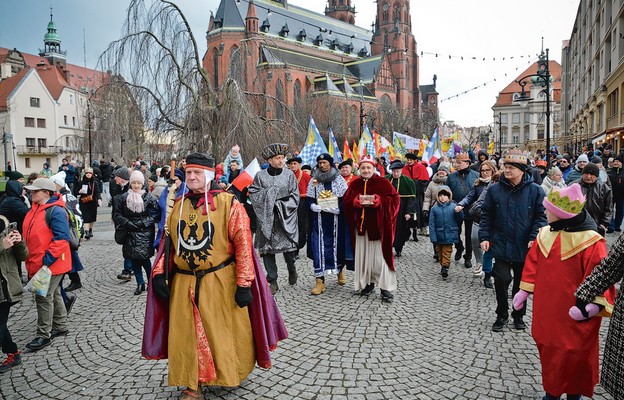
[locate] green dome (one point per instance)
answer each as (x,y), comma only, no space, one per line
(52,36)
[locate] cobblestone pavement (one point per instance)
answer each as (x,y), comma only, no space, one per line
(434,342)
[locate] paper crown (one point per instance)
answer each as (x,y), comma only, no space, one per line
(367,159)
(462,157)
(515,157)
(565,203)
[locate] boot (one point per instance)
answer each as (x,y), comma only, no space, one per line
(487,280)
(342,278)
(319,288)
(90,233)
(477,270)
(139,289)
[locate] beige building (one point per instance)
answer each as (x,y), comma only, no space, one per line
(593,82)
(524,127)
(43,106)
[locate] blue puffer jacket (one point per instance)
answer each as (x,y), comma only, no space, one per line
(511,217)
(444,221)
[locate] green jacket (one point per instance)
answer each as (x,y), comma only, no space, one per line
(10,282)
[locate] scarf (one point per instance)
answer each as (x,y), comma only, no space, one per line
(134,201)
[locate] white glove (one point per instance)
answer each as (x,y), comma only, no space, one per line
(315,207)
(333,210)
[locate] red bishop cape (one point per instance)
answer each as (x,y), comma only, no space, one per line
(379,222)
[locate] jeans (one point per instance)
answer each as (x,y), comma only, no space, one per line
(502,279)
(8,345)
(271,266)
(136,267)
(616,220)
(127,268)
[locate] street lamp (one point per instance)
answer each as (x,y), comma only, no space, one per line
(89,129)
(542,78)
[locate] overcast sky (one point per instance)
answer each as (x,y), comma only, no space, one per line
(490,29)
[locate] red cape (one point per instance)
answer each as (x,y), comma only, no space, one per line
(380,222)
(266,321)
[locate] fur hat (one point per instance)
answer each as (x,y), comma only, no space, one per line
(294,159)
(591,168)
(274,149)
(565,203)
(199,160)
(137,176)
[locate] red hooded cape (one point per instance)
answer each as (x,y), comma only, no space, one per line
(379,222)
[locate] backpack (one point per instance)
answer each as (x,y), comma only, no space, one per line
(74,226)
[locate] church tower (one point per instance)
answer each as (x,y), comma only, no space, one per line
(52,45)
(393,35)
(342,10)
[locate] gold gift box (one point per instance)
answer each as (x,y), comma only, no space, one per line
(328,202)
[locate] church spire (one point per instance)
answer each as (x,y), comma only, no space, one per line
(52,43)
(340,10)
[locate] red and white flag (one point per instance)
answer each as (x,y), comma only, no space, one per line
(246,176)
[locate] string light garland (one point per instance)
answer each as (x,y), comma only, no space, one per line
(475,58)
(481,85)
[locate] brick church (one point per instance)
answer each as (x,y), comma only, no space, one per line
(324,65)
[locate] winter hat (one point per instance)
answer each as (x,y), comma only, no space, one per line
(199,160)
(295,159)
(153,178)
(565,203)
(180,174)
(582,158)
(596,160)
(411,156)
(123,173)
(59,179)
(137,176)
(541,163)
(620,159)
(553,171)
(445,190)
(444,167)
(325,157)
(15,175)
(305,167)
(591,169)
(348,161)
(517,159)
(397,164)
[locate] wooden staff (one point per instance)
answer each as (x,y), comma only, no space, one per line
(169,207)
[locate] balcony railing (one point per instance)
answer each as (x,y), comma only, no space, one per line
(21,149)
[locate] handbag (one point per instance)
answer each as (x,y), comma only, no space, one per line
(40,282)
(86,198)
(120,235)
(475,212)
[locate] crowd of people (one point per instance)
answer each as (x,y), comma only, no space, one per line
(535,223)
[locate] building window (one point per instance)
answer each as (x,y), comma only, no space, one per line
(34,102)
(41,123)
(504,118)
(27,162)
(74,121)
(49,160)
(215,65)
(30,142)
(29,122)
(42,142)
(612,104)
(515,118)
(527,117)
(71,99)
(65,119)
(67,141)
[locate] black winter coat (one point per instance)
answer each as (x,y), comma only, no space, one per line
(511,217)
(140,227)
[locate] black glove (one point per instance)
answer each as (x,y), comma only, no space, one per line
(601,231)
(425,214)
(243,296)
(160,287)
